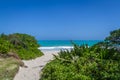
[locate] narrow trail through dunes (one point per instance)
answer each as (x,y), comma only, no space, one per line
(34,67)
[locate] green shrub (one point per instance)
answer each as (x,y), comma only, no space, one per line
(83,63)
(4,46)
(23,44)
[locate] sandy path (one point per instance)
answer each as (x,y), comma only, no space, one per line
(34,67)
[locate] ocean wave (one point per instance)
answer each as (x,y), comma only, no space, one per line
(55,48)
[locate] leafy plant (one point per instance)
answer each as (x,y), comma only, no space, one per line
(4,46)
(23,44)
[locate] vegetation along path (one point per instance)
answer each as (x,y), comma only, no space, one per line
(34,67)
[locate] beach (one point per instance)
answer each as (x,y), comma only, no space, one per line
(35,66)
(59,40)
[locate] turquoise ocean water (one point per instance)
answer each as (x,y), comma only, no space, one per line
(63,44)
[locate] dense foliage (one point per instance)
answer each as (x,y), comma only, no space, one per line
(5,46)
(99,62)
(23,44)
(114,37)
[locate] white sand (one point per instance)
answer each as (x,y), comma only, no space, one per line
(34,67)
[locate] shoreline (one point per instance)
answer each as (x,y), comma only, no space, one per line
(55,48)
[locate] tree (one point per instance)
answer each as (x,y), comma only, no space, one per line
(114,37)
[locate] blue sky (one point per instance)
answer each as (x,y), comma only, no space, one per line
(60,19)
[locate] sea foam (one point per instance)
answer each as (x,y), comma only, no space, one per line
(56,48)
